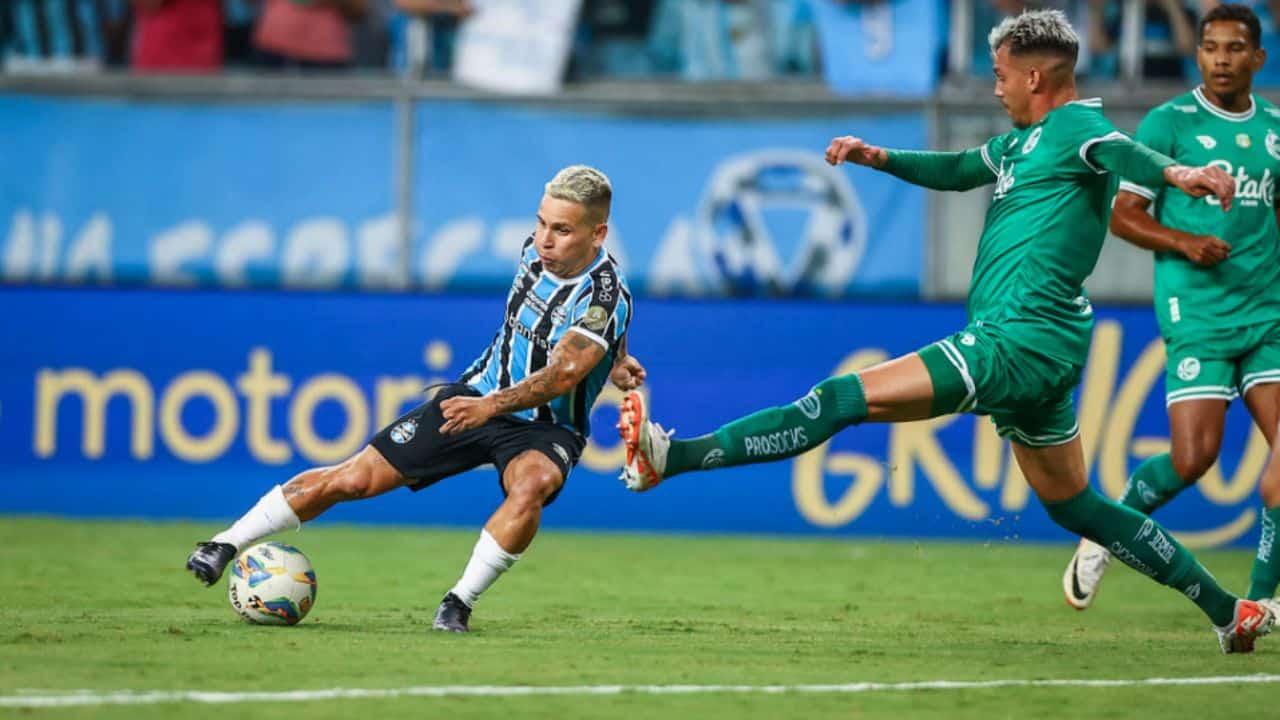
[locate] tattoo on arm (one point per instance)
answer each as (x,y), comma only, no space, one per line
(566,367)
(622,351)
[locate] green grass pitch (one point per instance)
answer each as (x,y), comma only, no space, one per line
(106,606)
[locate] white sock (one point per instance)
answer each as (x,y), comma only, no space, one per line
(270,515)
(488,561)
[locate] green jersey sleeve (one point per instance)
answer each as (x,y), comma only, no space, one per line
(962,170)
(1156,132)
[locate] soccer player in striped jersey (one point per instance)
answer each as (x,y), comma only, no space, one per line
(1030,322)
(1217,283)
(523,405)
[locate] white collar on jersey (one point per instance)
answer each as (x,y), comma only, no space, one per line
(1224,114)
(1095,102)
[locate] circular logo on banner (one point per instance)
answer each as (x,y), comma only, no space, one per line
(1189,369)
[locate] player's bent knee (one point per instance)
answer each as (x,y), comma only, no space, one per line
(533,488)
(1191,463)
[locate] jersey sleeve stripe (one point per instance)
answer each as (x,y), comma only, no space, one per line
(986,158)
(1109,137)
(1137,189)
(590,335)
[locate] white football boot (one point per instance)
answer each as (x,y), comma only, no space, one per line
(1253,619)
(646,442)
(1084,574)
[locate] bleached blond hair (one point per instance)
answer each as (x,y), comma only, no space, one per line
(586,186)
(1037,31)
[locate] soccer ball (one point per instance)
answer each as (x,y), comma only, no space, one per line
(272,584)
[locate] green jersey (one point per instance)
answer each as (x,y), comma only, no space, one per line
(1044,230)
(1245,288)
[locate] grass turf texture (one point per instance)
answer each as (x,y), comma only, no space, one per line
(106,606)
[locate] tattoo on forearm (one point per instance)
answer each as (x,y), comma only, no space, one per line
(542,386)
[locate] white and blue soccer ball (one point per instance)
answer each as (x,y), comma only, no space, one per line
(272,584)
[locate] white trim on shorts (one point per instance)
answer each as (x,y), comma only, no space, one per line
(1201,392)
(958,361)
(1262,377)
(1041,440)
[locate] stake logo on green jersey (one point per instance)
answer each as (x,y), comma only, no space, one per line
(1193,301)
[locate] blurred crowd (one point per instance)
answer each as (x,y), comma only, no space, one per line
(747,40)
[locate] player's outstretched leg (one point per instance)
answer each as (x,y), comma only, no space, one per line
(531,480)
(1057,475)
(765,436)
(1196,427)
(285,507)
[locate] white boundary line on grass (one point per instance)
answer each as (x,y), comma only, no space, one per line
(47,698)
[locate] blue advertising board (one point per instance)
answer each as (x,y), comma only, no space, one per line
(191,403)
(302,195)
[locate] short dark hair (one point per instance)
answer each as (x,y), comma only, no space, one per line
(1234,13)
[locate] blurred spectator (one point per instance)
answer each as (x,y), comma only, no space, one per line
(1168,37)
(52,35)
(613,39)
(733,39)
(182,36)
(237,33)
(423,42)
(307,34)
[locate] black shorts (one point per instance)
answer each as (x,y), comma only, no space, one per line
(414,446)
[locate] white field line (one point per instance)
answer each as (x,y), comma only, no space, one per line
(47,698)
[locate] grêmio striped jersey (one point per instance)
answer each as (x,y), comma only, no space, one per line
(541,308)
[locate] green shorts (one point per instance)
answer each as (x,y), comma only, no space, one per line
(1028,395)
(1222,364)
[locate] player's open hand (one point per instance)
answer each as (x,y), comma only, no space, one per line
(854,150)
(465,413)
(628,374)
(1204,250)
(1202,181)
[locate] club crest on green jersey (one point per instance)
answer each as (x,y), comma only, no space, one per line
(1032,141)
(1273,144)
(1189,369)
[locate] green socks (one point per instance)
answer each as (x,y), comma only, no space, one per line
(1140,542)
(1152,484)
(1266,564)
(775,433)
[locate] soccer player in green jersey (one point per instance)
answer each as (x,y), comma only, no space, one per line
(1217,284)
(1030,322)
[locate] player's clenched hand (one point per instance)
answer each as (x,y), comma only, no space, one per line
(628,374)
(1201,181)
(466,413)
(1204,250)
(854,150)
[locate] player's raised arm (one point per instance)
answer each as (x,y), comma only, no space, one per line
(1131,222)
(1140,164)
(962,170)
(571,360)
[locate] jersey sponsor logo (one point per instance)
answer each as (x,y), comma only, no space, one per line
(539,307)
(1249,190)
(1268,538)
(1032,141)
(968,340)
(1273,144)
(776,443)
(1192,592)
(606,290)
(404,432)
(1188,109)
(713,459)
(1208,142)
(514,323)
(1123,554)
(810,405)
(1004,180)
(1188,369)
(1175,311)
(595,318)
(1243,140)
